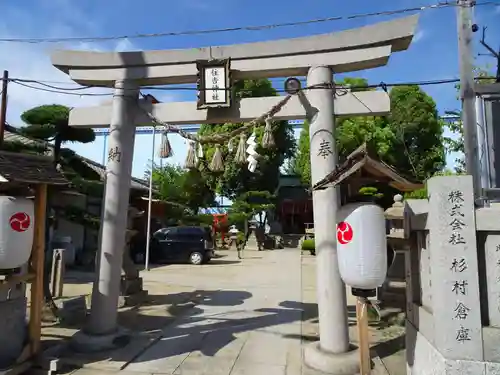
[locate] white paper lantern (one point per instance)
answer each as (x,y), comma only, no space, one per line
(16,231)
(362,245)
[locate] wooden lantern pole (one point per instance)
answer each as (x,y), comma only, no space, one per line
(37,265)
(363,336)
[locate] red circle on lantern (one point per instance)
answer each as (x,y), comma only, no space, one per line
(344,233)
(20,221)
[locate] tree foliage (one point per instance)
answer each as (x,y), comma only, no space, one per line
(236,179)
(46,121)
(186,187)
(410,138)
(51,123)
(422,193)
(251,204)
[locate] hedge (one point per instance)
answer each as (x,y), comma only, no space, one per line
(308,245)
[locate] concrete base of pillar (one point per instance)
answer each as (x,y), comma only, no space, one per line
(131,292)
(84,342)
(130,285)
(329,363)
(132,299)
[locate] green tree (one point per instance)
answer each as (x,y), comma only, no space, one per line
(50,123)
(302,161)
(236,179)
(186,187)
(422,193)
(417,148)
(252,204)
(410,138)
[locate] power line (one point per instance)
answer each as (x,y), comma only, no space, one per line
(440,5)
(61,91)
(382,85)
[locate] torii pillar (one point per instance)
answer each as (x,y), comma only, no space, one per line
(316,57)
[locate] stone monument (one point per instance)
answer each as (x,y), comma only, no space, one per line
(453,274)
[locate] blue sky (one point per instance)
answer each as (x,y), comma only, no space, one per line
(433,54)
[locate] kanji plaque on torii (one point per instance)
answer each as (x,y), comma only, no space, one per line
(316,57)
(214,83)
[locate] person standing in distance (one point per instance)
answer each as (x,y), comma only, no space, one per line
(233,235)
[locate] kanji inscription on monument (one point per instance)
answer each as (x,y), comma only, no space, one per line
(455,282)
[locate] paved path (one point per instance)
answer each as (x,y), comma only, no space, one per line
(248,321)
(251,325)
(234,317)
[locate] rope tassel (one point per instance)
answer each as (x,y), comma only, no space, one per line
(166,148)
(241,156)
(200,153)
(191,161)
(217,164)
(268,138)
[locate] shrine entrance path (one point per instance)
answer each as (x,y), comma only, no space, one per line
(252,317)
(248,323)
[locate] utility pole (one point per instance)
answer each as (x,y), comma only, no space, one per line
(3,106)
(467,94)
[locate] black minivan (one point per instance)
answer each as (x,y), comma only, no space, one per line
(182,244)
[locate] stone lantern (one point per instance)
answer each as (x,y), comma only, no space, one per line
(394,288)
(395,218)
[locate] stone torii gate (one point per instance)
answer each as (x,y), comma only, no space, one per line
(316,57)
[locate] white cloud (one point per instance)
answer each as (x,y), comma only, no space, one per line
(32,62)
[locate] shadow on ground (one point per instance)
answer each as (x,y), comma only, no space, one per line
(187,330)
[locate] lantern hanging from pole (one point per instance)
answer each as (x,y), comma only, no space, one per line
(362,245)
(16,231)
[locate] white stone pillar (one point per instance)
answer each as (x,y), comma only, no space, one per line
(106,288)
(331,291)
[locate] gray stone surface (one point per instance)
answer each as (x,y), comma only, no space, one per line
(454,276)
(492,265)
(252,316)
(13,330)
(396,33)
(239,329)
(184,113)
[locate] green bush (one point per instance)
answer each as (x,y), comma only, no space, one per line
(308,245)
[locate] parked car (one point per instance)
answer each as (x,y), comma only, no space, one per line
(182,244)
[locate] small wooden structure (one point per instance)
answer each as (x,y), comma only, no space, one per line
(362,167)
(29,175)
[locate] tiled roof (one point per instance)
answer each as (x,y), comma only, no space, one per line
(12,134)
(31,169)
(364,159)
